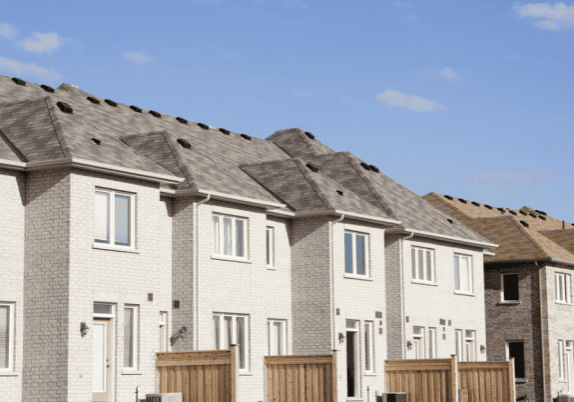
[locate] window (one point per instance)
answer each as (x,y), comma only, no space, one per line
(509,287)
(432,343)
(418,342)
(229,236)
(561,360)
(114,218)
(422,264)
(562,288)
(469,346)
(6,337)
(163,331)
(463,273)
(458,344)
(355,254)
(369,363)
(516,349)
(276,337)
(231,329)
(130,337)
(270,242)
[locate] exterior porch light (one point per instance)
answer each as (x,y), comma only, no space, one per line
(341,337)
(84,329)
(409,345)
(482,349)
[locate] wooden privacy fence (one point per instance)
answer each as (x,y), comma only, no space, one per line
(301,378)
(438,380)
(208,376)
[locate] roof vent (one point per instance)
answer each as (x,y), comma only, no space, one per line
(366,166)
(501,210)
(181,120)
(93,100)
(525,224)
(542,217)
(64,107)
(204,126)
(111,103)
(154,113)
(184,143)
(541,212)
(449,220)
(96,141)
(488,206)
(512,212)
(475,204)
(19,81)
(532,215)
(47,88)
(448,197)
(339,192)
(308,134)
(572,224)
(247,137)
(135,109)
(374,168)
(523,213)
(224,131)
(312,168)
(462,200)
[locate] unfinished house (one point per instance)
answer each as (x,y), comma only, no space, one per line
(528,291)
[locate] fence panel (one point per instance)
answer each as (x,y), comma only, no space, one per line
(301,378)
(423,380)
(199,376)
(488,381)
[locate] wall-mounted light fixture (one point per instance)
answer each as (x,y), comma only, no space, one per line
(482,349)
(409,345)
(84,329)
(341,337)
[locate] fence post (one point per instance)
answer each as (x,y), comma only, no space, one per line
(334,377)
(233,372)
(454,378)
(511,381)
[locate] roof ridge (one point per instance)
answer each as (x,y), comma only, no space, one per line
(440,197)
(307,175)
(143,134)
(58,129)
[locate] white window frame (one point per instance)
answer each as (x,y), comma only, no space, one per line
(101,243)
(415,260)
(163,330)
(470,273)
(270,246)
(458,344)
(562,288)
(354,255)
(102,315)
(419,342)
(502,298)
(432,343)
(369,347)
(283,329)
(470,345)
(218,238)
(11,337)
(561,355)
(135,343)
(234,335)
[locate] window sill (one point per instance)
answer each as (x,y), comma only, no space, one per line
(370,374)
(423,283)
(270,268)
(245,373)
(131,372)
(361,278)
(8,374)
(509,303)
(564,303)
(456,292)
(226,258)
(521,381)
(101,246)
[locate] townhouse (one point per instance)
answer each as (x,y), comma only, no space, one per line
(129,232)
(528,291)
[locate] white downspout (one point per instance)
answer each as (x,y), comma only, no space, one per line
(196,276)
(403,324)
(332,241)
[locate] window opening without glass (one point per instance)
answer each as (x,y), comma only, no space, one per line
(422,264)
(510,287)
(229,236)
(355,254)
(463,273)
(516,349)
(114,218)
(231,329)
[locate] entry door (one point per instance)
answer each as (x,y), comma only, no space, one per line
(102,361)
(569,367)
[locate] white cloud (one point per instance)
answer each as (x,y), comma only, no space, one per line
(7,31)
(504,178)
(554,17)
(300,93)
(41,42)
(138,57)
(448,74)
(415,103)
(18,68)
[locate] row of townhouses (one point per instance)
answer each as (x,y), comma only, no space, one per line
(127,232)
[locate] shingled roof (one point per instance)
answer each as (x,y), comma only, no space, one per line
(524,234)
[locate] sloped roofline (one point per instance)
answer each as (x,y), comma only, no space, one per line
(439,236)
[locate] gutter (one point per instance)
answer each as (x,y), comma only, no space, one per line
(254,202)
(196,276)
(351,215)
(334,309)
(533,260)
(438,236)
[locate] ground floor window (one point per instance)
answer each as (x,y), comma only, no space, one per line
(130,337)
(163,331)
(6,337)
(458,344)
(432,343)
(231,329)
(369,363)
(276,330)
(516,349)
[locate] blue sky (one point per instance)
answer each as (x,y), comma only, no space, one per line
(467,98)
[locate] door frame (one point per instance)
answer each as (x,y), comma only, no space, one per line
(354,332)
(569,360)
(110,322)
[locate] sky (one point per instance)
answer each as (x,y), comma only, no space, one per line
(472,99)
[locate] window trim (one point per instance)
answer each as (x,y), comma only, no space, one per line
(270,246)
(561,353)
(163,327)
(366,266)
(369,328)
(432,343)
(283,327)
(414,272)
(135,343)
(470,275)
(220,244)
(567,282)
(112,222)
(502,299)
(11,337)
(234,335)
(420,341)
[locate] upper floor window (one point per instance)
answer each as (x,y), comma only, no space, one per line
(270,245)
(509,287)
(422,264)
(231,329)
(562,282)
(6,337)
(463,273)
(356,254)
(276,337)
(114,218)
(229,236)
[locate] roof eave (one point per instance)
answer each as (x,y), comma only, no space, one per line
(439,236)
(12,165)
(237,199)
(351,215)
(534,260)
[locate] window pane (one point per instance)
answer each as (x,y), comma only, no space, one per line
(429,266)
(417,330)
(129,337)
(414,262)
(431,344)
(456,273)
(421,261)
(360,250)
(560,359)
(102,217)
(122,220)
(4,336)
(217,331)
(268,244)
(510,287)
(278,337)
(102,308)
(348,253)
(468,271)
(239,238)
(216,233)
(227,246)
(241,341)
(227,332)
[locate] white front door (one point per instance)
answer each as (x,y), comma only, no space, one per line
(102,361)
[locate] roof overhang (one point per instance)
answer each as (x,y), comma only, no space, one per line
(533,260)
(439,236)
(236,199)
(350,215)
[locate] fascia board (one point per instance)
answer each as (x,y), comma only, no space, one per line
(438,236)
